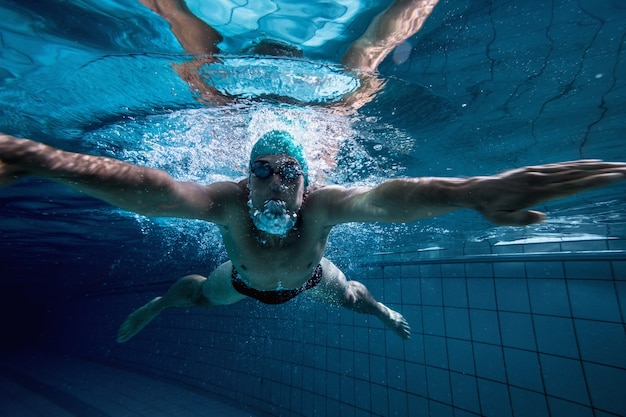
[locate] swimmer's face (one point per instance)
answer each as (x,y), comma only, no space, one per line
(276,177)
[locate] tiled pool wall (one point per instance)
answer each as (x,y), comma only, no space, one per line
(516,330)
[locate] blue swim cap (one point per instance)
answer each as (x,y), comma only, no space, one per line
(279,142)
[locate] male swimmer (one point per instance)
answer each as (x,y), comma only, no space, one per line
(275,224)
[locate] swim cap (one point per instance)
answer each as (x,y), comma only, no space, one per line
(280,142)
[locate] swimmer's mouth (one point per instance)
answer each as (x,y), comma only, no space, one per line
(274,206)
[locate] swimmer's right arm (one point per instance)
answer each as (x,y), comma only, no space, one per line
(503,198)
(146,191)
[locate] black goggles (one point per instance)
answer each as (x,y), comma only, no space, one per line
(263,169)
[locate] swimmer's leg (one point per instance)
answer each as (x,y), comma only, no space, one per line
(335,289)
(189,291)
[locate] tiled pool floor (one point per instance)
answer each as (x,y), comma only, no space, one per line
(46,384)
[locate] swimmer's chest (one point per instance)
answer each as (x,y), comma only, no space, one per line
(290,260)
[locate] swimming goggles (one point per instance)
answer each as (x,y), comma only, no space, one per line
(263,170)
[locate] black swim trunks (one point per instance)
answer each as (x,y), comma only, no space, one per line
(274,296)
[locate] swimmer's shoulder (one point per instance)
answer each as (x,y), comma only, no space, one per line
(335,198)
(222,201)
(317,192)
(326,196)
(228,191)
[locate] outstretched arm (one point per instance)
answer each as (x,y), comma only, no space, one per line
(131,187)
(501,199)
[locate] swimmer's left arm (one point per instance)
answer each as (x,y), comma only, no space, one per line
(397,200)
(501,199)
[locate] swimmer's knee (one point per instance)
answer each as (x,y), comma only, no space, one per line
(191,286)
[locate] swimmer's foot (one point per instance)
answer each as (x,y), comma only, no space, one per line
(395,321)
(137,320)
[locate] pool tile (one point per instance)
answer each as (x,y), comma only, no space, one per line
(494,399)
(454,292)
(433,320)
(588,270)
(481,293)
(549,296)
(556,335)
(509,269)
(457,323)
(594,300)
(464,392)
(489,361)
(431,291)
(523,369)
(479,270)
(439,384)
(542,269)
(436,351)
(517,330)
(528,403)
(602,342)
(564,378)
(461,356)
(512,295)
(560,407)
(485,326)
(606,386)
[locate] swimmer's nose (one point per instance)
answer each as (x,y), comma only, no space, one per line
(276,178)
(277,182)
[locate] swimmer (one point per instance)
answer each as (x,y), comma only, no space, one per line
(390,28)
(275,224)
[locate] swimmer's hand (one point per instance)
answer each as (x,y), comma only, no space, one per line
(503,198)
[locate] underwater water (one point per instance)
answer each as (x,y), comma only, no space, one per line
(505,321)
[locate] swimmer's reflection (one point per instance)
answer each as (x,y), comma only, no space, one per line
(389,29)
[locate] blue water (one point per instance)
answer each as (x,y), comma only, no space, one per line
(488,86)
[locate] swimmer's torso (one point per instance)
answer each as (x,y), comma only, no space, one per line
(268,262)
